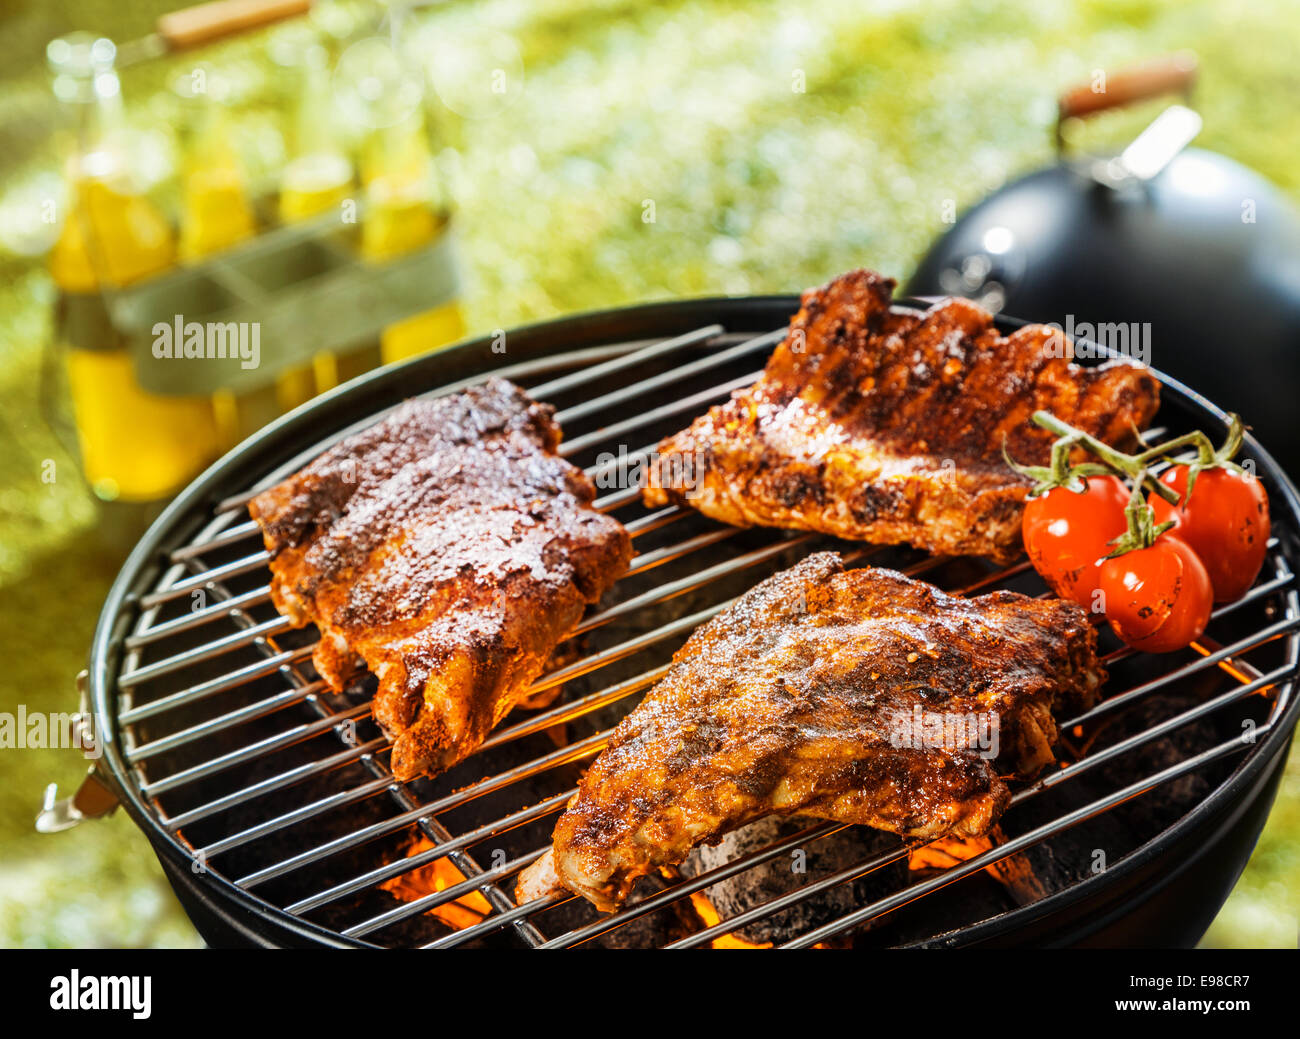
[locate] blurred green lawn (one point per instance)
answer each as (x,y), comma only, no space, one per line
(756,188)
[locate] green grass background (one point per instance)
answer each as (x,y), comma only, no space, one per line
(756,188)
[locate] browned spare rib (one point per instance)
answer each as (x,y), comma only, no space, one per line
(883,426)
(859,696)
(450,549)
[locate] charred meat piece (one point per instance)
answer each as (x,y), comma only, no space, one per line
(450,549)
(858,696)
(884,426)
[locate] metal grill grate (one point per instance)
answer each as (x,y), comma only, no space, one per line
(279,786)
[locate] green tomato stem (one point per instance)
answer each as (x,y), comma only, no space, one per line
(1129,465)
(1142,531)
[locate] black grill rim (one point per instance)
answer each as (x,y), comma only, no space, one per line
(370,393)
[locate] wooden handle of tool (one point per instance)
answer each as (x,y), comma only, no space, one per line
(204,23)
(1172,74)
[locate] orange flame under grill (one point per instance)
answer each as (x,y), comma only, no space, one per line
(705,911)
(947,852)
(438,875)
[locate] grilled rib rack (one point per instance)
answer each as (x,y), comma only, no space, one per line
(269,799)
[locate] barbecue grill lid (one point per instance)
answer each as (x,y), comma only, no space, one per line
(1206,255)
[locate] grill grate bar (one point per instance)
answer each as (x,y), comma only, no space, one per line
(427,855)
(572,710)
(208,577)
(219,611)
(601,472)
(436,899)
(658,557)
(229,536)
(237,640)
(617,500)
(301,814)
(1256,685)
(496,923)
(278,782)
(997,577)
(664,592)
(257,709)
(624,649)
(583,376)
(656,520)
(667,378)
(280,740)
(232,680)
(1112,703)
(569,448)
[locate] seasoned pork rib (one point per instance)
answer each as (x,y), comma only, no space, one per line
(859,696)
(888,427)
(449,548)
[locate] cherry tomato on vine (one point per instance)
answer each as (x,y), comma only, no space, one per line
(1225,521)
(1158,599)
(1067,533)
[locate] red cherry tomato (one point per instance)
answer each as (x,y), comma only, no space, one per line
(1067,533)
(1225,521)
(1158,599)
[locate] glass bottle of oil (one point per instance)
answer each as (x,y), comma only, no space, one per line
(215,208)
(136,447)
(316,178)
(217,214)
(405,207)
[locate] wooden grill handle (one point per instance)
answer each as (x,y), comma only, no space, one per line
(204,23)
(1174,73)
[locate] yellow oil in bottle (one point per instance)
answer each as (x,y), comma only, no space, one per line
(135,446)
(398,217)
(422,333)
(216,215)
(316,179)
(215,211)
(111,236)
(403,213)
(311,184)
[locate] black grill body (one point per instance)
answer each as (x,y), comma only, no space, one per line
(1161,892)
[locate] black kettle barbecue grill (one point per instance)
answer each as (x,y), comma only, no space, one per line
(1195,247)
(271,806)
